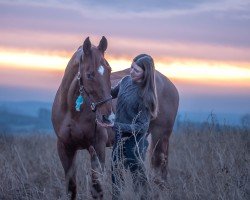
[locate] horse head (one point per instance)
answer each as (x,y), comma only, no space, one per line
(95,74)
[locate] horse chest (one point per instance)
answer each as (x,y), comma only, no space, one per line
(82,126)
(77,128)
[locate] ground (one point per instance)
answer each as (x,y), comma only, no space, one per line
(205,162)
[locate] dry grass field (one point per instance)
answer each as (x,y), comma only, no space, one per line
(209,162)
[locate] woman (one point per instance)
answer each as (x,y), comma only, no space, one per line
(136,106)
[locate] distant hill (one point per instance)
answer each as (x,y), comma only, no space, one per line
(25,116)
(221,118)
(34,116)
(30,108)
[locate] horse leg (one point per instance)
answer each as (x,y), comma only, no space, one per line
(67,156)
(159,153)
(97,155)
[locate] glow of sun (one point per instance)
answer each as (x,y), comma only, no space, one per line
(178,70)
(32,61)
(202,71)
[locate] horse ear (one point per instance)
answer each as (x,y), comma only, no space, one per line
(86,46)
(103,44)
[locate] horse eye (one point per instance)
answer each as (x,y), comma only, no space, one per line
(90,76)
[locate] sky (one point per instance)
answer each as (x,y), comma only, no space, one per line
(202,46)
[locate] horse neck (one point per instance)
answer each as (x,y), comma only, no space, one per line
(68,87)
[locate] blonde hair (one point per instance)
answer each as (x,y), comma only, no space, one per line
(149,93)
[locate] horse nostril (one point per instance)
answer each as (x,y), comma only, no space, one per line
(105,119)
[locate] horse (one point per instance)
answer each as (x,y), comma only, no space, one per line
(82,102)
(88,78)
(160,128)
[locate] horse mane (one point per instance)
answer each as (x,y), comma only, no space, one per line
(69,74)
(72,67)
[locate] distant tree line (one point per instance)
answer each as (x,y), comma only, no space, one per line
(12,122)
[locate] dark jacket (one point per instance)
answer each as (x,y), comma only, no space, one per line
(132,117)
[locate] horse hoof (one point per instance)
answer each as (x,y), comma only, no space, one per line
(96,196)
(96,191)
(92,151)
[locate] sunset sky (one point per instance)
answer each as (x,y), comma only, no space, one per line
(202,46)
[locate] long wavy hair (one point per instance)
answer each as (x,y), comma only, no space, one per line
(149,94)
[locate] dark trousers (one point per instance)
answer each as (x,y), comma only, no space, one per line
(129,153)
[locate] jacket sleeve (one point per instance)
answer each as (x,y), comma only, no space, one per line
(139,125)
(115,90)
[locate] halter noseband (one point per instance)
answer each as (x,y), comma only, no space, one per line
(93,105)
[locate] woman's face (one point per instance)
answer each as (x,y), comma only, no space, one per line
(136,72)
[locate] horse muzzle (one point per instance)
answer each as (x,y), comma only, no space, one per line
(106,121)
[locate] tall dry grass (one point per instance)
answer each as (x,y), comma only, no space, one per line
(208,162)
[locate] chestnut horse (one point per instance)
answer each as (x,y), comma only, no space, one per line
(86,81)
